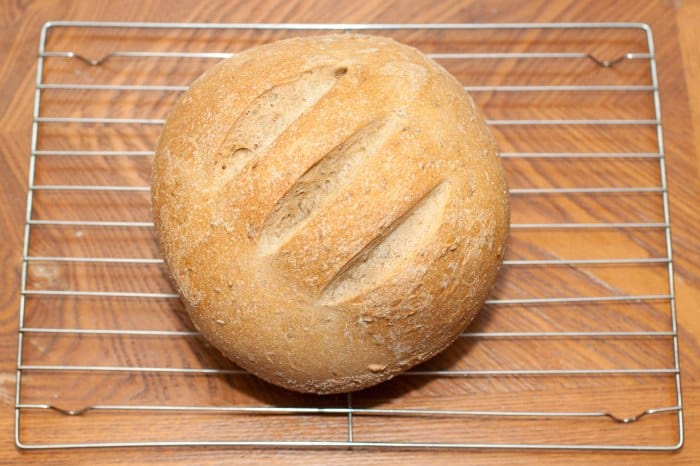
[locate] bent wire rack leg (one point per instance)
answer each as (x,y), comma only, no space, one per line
(351,411)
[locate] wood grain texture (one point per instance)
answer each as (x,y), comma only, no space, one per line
(674,26)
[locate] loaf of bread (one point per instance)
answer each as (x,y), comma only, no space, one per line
(332,210)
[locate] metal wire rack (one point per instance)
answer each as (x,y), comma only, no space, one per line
(583,314)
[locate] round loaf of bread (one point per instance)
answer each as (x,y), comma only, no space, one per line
(332,210)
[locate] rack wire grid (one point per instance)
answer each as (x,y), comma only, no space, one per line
(582,315)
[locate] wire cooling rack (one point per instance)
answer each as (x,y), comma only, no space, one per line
(575,349)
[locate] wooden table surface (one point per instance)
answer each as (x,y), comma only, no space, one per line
(675,26)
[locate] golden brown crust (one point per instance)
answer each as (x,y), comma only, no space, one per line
(332,209)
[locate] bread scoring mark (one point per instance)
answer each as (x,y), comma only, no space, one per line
(390,251)
(268,116)
(322,179)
